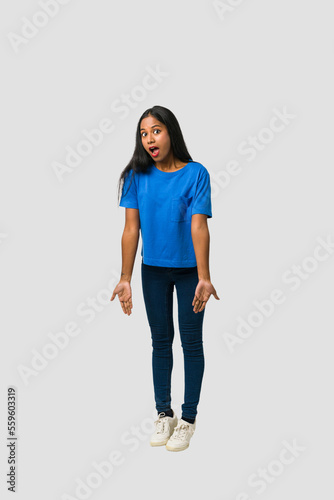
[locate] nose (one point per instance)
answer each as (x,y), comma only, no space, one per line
(149,138)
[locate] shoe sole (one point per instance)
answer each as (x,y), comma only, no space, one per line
(159,444)
(176,449)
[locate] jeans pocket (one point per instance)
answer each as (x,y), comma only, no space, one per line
(181,209)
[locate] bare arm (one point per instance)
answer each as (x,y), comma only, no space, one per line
(201,241)
(129,242)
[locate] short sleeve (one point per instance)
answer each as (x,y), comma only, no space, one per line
(129,196)
(202,199)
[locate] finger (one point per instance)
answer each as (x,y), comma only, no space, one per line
(129,306)
(113,296)
(123,304)
(197,305)
(195,300)
(126,307)
(202,306)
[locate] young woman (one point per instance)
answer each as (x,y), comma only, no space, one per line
(167,197)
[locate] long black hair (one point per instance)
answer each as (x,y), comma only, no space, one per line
(141,160)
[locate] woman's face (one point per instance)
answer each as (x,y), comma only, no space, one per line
(155,138)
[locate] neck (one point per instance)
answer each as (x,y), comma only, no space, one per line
(169,163)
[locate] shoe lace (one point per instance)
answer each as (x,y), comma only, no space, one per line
(160,423)
(180,431)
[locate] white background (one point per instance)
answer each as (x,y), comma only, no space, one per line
(60,246)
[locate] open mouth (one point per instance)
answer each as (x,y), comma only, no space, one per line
(154,151)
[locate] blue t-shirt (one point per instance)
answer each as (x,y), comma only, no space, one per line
(166,202)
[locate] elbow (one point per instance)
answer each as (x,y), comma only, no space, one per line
(131,231)
(200,230)
(201,227)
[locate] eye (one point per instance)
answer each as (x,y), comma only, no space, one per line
(143,134)
(156,130)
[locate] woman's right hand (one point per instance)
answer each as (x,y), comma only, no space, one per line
(123,290)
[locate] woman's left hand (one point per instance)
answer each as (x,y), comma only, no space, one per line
(202,294)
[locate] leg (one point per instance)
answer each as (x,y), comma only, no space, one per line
(158,297)
(190,326)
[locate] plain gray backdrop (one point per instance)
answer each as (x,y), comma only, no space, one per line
(251,85)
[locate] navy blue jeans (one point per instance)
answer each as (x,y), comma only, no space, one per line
(158,287)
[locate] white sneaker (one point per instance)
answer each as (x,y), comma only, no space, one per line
(164,429)
(181,436)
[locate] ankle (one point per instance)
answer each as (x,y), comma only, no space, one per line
(168,413)
(190,420)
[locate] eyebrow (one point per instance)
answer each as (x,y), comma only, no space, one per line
(151,127)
